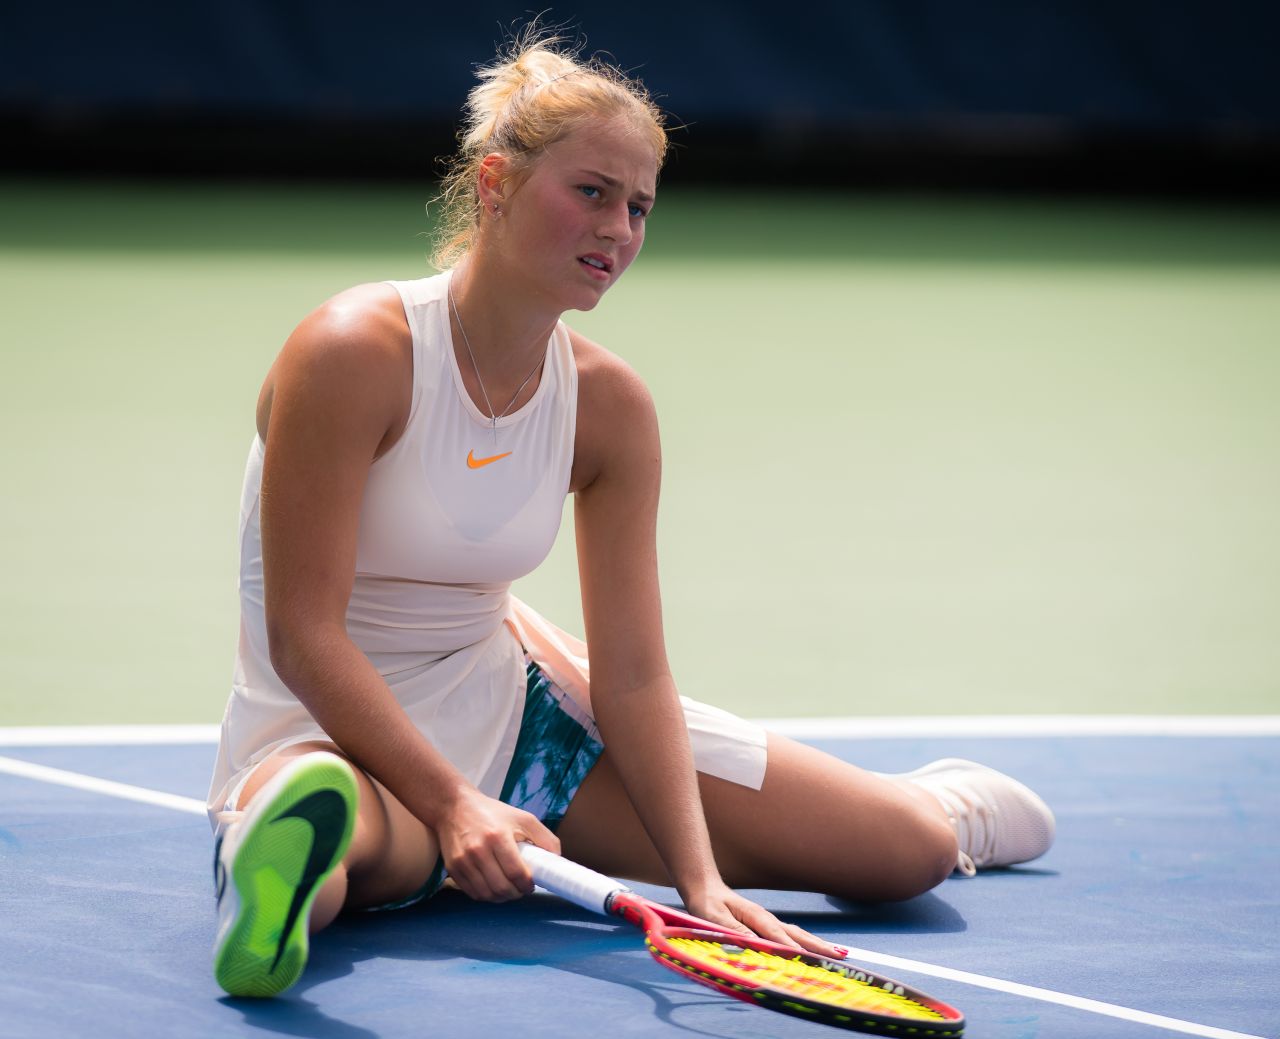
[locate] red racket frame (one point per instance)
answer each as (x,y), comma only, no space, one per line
(661,923)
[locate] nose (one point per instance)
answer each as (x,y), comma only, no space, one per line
(615,224)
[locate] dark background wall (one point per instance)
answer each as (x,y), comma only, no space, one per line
(1139,95)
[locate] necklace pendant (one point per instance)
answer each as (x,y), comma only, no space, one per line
(493,415)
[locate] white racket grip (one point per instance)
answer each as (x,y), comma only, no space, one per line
(577,884)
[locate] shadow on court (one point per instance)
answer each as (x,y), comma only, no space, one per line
(544,934)
(927,914)
(1165,871)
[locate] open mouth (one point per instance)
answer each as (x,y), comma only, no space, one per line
(596,263)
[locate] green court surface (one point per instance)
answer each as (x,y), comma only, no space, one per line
(922,455)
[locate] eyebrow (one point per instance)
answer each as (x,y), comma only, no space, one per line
(613,182)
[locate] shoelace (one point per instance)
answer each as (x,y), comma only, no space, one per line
(975,824)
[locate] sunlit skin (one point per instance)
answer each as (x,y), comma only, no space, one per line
(338,397)
(587,195)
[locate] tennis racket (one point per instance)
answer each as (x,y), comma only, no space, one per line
(753,970)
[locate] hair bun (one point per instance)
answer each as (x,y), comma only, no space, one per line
(541,65)
(533,94)
(530,65)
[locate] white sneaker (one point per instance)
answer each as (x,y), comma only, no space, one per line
(998,821)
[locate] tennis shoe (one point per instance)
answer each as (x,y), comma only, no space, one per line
(998,821)
(270,861)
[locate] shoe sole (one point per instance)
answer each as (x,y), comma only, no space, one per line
(297,840)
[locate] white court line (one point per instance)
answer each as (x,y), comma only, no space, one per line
(1026,725)
(105,735)
(870,728)
(191,805)
(77,781)
(1093,1006)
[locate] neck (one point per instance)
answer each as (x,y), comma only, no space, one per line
(506,330)
(504,343)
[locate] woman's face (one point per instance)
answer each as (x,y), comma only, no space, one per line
(576,220)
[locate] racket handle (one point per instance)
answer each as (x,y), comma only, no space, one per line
(577,884)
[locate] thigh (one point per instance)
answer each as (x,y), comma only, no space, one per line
(816,824)
(392,852)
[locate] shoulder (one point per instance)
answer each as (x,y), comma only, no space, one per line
(354,350)
(606,381)
(366,322)
(617,419)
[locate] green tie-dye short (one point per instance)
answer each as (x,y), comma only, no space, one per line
(557,746)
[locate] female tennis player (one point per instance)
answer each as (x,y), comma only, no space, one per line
(397,717)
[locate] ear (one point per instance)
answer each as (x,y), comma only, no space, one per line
(491,180)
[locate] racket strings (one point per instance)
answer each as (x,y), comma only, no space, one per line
(798,978)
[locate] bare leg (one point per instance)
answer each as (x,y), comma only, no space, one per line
(817,824)
(391,855)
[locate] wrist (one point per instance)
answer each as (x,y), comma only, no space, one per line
(437,803)
(696,886)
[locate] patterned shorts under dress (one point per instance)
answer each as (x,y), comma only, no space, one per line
(557,746)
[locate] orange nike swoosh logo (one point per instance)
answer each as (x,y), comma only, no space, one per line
(475,463)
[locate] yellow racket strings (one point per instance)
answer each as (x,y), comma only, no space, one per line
(797,978)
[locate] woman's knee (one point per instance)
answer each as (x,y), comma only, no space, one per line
(269,766)
(925,856)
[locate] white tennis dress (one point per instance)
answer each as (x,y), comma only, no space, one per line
(452,514)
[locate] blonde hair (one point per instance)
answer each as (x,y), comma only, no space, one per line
(534,94)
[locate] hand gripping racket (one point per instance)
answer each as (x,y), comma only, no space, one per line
(753,970)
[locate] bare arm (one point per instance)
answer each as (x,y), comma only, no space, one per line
(632,692)
(336,398)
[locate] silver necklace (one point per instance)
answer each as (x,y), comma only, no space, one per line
(476,368)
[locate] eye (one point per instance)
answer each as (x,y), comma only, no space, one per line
(638,212)
(590,191)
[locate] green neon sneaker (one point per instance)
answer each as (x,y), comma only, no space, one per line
(268,866)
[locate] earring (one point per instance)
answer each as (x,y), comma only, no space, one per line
(497,211)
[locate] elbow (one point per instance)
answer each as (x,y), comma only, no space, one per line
(287,653)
